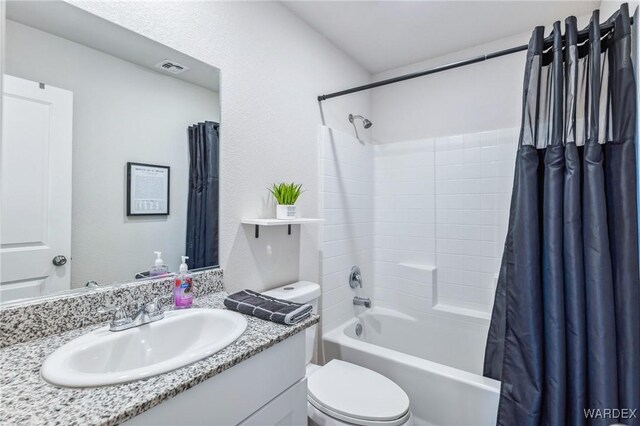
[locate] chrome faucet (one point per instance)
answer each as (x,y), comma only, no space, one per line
(362,301)
(146,313)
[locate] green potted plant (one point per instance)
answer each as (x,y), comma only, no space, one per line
(286,194)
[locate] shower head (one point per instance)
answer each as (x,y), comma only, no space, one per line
(365,123)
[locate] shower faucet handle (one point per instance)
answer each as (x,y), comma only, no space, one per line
(355,277)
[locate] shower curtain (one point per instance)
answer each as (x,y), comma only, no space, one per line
(564,337)
(202,210)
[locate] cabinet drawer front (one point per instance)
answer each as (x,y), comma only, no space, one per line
(288,409)
(235,394)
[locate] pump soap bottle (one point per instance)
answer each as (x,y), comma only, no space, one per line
(183,290)
(159,268)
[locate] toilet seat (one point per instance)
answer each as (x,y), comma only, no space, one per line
(357,395)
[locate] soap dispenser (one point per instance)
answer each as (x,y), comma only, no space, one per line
(183,289)
(159,268)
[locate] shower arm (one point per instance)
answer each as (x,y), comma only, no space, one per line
(352,121)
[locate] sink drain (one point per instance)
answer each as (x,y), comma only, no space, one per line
(358,329)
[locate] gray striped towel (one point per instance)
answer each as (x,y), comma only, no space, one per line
(267,308)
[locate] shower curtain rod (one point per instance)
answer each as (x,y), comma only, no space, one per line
(582,35)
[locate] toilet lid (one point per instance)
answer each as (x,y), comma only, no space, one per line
(356,392)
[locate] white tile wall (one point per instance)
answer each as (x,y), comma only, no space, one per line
(473,180)
(426,221)
(404,229)
(347,197)
(444,203)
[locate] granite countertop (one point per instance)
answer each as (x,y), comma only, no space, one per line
(27,399)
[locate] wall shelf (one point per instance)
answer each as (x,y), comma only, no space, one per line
(258,222)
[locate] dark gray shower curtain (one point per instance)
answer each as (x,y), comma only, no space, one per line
(202,212)
(565,328)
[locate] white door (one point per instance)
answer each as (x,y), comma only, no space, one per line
(35,221)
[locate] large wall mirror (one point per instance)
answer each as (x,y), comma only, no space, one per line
(110,147)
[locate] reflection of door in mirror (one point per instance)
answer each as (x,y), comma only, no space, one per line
(36,194)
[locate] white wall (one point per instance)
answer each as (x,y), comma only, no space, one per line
(122,112)
(2,69)
(273,67)
(609,7)
(474,98)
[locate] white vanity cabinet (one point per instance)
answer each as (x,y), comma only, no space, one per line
(267,389)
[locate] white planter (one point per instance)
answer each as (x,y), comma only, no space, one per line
(285,212)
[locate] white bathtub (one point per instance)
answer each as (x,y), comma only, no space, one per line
(392,344)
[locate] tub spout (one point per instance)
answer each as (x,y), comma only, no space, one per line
(362,301)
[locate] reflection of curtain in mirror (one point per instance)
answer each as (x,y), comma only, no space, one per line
(202,213)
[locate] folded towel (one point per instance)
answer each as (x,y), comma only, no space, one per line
(267,308)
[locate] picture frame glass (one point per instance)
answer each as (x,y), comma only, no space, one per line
(147,189)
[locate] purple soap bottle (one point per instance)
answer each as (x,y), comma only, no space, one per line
(183,289)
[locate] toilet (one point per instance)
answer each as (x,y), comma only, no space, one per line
(342,393)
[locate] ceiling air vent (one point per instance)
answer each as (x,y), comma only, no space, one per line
(172,67)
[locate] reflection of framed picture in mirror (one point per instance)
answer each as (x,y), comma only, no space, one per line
(147,189)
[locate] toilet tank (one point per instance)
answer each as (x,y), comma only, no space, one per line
(301,292)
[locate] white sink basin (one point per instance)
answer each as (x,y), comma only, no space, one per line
(104,357)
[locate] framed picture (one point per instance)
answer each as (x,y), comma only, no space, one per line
(147,189)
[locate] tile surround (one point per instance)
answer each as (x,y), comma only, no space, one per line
(443,203)
(436,216)
(347,206)
(474,179)
(405,243)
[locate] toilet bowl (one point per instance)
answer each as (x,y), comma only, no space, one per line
(341,393)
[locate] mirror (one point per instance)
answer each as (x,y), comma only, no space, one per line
(110,148)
